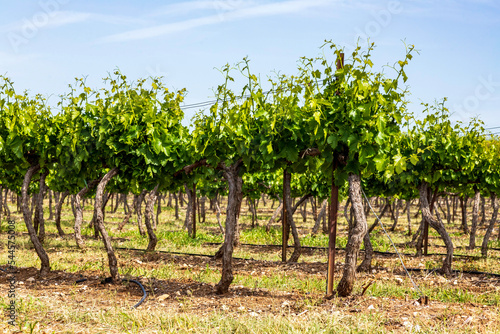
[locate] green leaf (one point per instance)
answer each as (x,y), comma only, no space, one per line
(414,158)
(269,147)
(17,147)
(317,116)
(332,140)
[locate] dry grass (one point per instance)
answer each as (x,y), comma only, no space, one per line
(267,296)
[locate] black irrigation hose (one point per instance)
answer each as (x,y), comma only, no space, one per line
(378,252)
(465,247)
(257,245)
(144,293)
(470,272)
(166,252)
(180,253)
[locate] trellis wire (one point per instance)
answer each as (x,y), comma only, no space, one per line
(394,246)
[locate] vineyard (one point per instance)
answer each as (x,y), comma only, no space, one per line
(307,203)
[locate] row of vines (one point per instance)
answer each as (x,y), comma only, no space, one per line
(333,131)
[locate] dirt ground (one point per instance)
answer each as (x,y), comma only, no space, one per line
(185,295)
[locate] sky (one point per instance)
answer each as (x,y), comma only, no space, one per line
(45,44)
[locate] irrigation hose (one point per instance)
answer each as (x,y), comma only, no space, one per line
(144,293)
(180,253)
(375,251)
(470,272)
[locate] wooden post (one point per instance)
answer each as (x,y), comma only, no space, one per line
(285,228)
(332,215)
(194,210)
(332,234)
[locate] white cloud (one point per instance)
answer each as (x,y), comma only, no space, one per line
(188,7)
(238,13)
(10,59)
(63,18)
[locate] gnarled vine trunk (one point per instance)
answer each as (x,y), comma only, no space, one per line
(150,203)
(438,226)
(158,211)
(483,211)
(397,203)
(274,216)
(6,206)
(320,216)
(129,214)
(190,211)
(408,215)
(475,218)
(463,206)
(51,213)
(39,207)
(287,201)
(59,205)
(234,182)
(79,212)
(203,210)
(487,235)
(44,258)
(366,264)
(138,211)
(113,263)
(357,232)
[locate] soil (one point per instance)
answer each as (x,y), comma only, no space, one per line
(199,298)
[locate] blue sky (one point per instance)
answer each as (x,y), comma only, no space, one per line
(45,44)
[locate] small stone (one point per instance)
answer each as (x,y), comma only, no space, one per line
(31,279)
(442,280)
(469,319)
(371,307)
(254,314)
(178,293)
(398,280)
(163,297)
